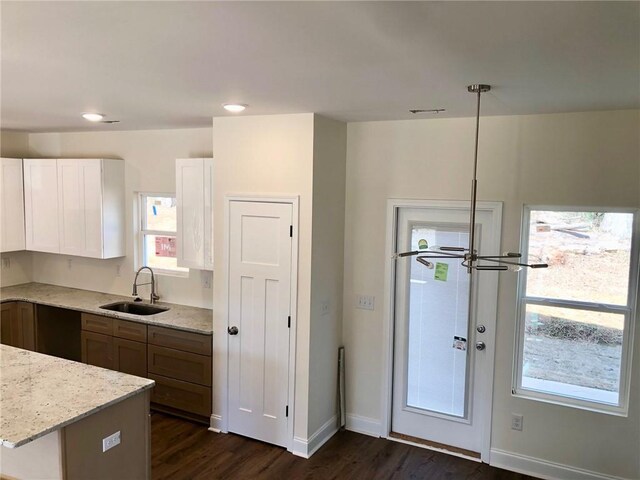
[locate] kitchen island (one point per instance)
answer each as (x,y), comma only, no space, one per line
(61,419)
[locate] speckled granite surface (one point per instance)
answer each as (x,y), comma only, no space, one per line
(40,393)
(181,317)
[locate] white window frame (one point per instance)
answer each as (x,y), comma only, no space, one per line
(629,311)
(142,232)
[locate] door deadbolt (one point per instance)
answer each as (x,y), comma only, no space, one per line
(232,330)
(481,329)
(480,346)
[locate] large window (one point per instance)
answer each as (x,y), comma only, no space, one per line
(157,245)
(576,317)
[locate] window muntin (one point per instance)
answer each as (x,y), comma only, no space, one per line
(576,316)
(158,224)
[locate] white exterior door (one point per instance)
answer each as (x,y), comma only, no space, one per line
(442,384)
(260,249)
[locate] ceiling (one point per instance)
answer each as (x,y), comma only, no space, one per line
(172,64)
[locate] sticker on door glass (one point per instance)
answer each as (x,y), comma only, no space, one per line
(460,343)
(442,270)
(423,244)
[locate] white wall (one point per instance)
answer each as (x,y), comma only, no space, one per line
(264,155)
(327,268)
(149,166)
(565,159)
(14,144)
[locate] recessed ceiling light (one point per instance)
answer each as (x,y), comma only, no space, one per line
(234,107)
(93,117)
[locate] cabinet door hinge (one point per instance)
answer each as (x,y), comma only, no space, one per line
(291,231)
(286,411)
(289,321)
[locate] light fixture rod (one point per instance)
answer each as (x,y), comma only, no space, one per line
(474,183)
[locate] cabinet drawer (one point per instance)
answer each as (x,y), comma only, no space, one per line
(130,330)
(186,366)
(97,324)
(186,341)
(181,395)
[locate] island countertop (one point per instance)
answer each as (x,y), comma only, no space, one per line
(40,394)
(180,317)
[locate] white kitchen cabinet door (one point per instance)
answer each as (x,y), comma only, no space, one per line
(194,213)
(41,205)
(12,236)
(91,216)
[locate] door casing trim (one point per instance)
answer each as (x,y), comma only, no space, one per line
(294,201)
(393,206)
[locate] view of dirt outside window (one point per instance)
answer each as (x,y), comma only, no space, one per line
(574,311)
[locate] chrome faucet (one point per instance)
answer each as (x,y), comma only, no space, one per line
(154,296)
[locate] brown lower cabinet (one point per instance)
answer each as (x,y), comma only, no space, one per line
(17,325)
(97,349)
(178,361)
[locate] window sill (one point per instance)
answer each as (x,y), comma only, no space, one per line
(591,406)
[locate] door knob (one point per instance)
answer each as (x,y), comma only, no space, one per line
(481,329)
(232,330)
(480,346)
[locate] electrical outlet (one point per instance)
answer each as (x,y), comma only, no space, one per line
(6,263)
(69,263)
(205,278)
(366,302)
(516,422)
(324,308)
(110,441)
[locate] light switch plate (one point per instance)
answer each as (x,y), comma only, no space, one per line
(6,263)
(324,308)
(366,302)
(110,441)
(205,278)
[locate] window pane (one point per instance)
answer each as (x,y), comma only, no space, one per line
(588,255)
(574,353)
(160,213)
(160,252)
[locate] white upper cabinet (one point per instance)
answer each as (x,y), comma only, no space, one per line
(12,236)
(194,198)
(89,199)
(41,205)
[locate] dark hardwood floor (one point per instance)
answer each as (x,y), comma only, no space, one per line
(185,450)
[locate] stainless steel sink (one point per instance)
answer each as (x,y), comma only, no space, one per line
(134,308)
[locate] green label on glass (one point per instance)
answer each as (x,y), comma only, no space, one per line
(442,269)
(423,244)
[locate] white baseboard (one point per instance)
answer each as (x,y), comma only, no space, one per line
(364,425)
(216,424)
(537,467)
(305,448)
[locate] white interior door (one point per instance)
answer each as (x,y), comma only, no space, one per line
(260,249)
(442,384)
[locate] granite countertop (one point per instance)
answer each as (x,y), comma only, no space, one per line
(40,393)
(180,317)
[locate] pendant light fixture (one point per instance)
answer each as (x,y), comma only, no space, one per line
(471,260)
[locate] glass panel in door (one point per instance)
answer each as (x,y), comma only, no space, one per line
(438,322)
